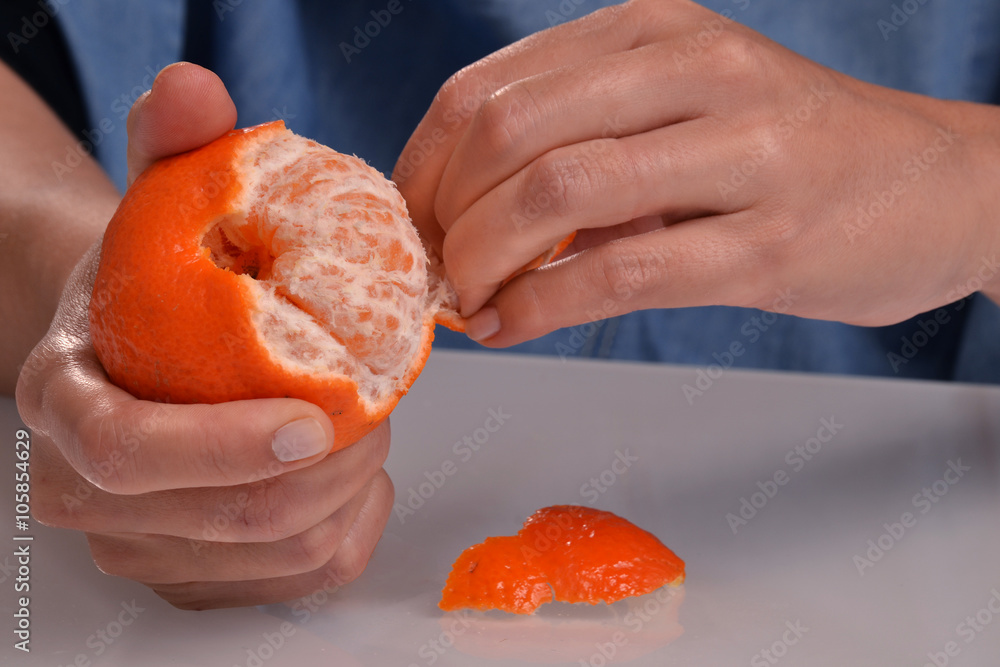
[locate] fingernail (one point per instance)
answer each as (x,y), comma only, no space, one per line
(483,325)
(299,440)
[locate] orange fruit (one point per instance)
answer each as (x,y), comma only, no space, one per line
(566,553)
(267,265)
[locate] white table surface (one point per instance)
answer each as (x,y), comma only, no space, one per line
(792,565)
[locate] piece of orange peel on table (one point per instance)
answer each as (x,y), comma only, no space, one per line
(566,553)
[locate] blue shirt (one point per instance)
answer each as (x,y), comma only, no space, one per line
(358,77)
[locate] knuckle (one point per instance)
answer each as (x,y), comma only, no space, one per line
(623,274)
(506,118)
(534,309)
(105,457)
(30,388)
(311,549)
(215,456)
(769,142)
(450,92)
(353,553)
(764,153)
(734,58)
(461,96)
(48,508)
(777,240)
(350,563)
(460,265)
(268,514)
(112,557)
(557,183)
(59,497)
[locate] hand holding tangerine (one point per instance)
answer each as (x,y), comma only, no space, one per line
(208,505)
(267,265)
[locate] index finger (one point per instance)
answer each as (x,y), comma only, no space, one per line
(422,163)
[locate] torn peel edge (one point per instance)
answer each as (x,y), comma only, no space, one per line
(447,313)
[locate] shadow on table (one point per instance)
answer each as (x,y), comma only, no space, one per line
(575,633)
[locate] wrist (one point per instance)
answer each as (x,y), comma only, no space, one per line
(44,234)
(969,199)
(983,141)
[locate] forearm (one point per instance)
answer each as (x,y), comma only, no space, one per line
(48,218)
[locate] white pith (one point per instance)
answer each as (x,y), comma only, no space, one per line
(323,272)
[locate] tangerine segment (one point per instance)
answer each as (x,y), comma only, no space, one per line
(583,554)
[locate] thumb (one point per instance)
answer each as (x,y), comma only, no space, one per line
(187,107)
